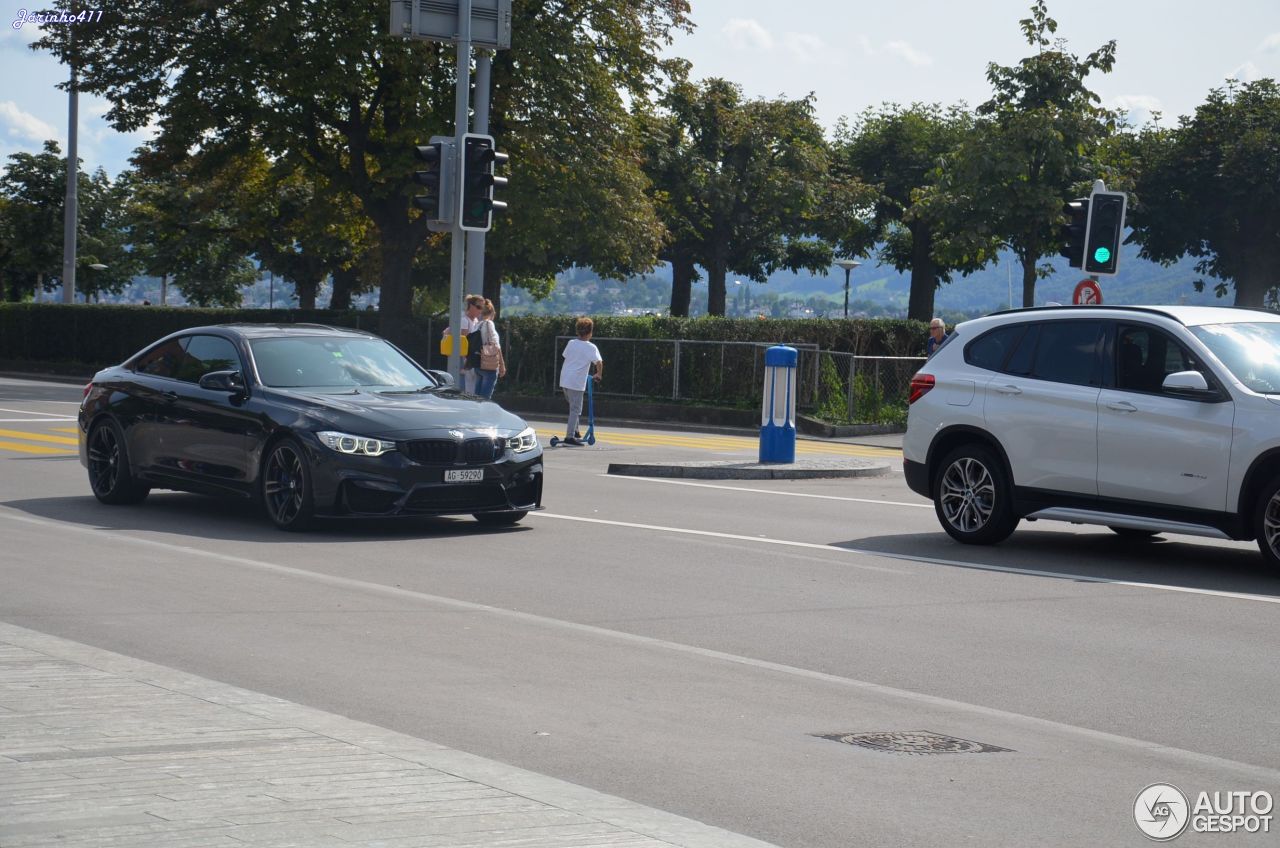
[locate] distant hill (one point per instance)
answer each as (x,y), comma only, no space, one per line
(874,289)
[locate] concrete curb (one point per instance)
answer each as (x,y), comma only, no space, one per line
(730,470)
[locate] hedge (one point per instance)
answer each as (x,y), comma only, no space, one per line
(85,338)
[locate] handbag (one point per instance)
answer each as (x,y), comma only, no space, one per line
(490,355)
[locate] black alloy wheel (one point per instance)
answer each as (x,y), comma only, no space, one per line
(110,477)
(972,497)
(500,519)
(286,486)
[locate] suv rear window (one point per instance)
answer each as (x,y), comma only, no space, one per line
(990,350)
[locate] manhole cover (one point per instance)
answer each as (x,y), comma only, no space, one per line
(913,742)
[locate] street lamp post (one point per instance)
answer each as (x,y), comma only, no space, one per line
(848,265)
(96,266)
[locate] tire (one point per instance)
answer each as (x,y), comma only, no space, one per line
(286,486)
(1133,533)
(1266,523)
(972,496)
(500,519)
(110,476)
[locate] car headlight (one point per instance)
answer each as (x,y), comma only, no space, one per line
(358,445)
(526,441)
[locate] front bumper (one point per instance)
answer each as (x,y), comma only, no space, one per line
(395,485)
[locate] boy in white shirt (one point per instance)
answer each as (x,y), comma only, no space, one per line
(580,356)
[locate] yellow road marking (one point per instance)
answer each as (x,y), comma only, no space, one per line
(737,443)
(40,449)
(39,437)
(66,429)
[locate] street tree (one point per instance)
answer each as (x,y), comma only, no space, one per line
(897,150)
(325,83)
(1031,149)
(34,186)
(743,183)
(1210,188)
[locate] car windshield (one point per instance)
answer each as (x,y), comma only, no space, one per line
(327,362)
(1251,351)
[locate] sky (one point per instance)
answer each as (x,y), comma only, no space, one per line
(849,54)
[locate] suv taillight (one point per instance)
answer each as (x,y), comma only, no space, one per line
(920,386)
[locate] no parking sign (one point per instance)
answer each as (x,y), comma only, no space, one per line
(1088,293)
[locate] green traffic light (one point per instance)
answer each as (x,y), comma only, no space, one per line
(1102,256)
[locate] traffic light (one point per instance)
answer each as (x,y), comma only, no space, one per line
(439,156)
(1104,231)
(1073,232)
(479,156)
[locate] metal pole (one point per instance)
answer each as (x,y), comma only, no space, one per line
(480,122)
(271,290)
(457,258)
(71,210)
(846,291)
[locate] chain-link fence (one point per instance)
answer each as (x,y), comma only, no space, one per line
(837,387)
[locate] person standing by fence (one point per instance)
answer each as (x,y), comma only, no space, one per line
(492,365)
(937,334)
(580,358)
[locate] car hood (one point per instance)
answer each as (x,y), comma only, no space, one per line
(404,416)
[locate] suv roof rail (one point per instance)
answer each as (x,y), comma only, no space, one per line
(1147,310)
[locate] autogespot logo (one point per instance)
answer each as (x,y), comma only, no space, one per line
(1161,812)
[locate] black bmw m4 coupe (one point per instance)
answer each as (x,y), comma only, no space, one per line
(309,421)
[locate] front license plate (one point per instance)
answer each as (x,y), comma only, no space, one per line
(464,475)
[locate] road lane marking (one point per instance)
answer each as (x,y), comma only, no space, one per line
(40,449)
(917,698)
(39,437)
(670,482)
(48,415)
(65,429)
(39,421)
(925,560)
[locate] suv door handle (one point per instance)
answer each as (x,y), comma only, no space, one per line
(169,397)
(1122,406)
(1009,390)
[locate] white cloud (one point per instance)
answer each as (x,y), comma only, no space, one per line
(1141,107)
(905,51)
(1248,72)
(808,49)
(747,34)
(24,125)
(1271,44)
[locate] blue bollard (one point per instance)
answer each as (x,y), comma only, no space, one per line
(778,415)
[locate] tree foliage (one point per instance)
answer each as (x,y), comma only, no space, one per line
(898,151)
(34,186)
(740,182)
(1210,188)
(1031,150)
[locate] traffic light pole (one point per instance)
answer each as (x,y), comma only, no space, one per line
(458,247)
(475,240)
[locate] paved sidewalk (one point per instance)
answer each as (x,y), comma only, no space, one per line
(98,749)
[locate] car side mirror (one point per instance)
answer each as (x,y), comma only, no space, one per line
(445,378)
(1188,383)
(231,382)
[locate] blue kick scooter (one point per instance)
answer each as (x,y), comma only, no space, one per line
(590,437)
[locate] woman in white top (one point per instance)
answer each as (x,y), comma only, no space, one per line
(487,378)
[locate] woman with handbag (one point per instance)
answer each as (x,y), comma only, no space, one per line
(492,365)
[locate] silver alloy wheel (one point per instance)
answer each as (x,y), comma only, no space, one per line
(967,495)
(1271,524)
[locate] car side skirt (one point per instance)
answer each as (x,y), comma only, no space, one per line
(1035,504)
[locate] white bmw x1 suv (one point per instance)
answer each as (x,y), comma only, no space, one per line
(1160,419)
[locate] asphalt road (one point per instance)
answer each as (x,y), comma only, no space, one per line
(688,645)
